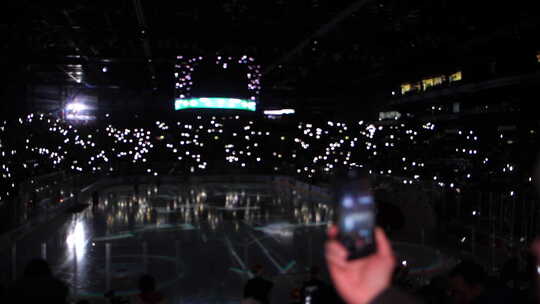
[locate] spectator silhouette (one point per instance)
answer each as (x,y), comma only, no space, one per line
(38,283)
(435,291)
(148,293)
(95,199)
(113,298)
(136,187)
(258,288)
(315,290)
(468,285)
(296,296)
(158,184)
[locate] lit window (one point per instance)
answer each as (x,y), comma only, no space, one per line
(455,77)
(406,87)
(427,83)
(439,80)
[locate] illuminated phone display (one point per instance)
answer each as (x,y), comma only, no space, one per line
(357,220)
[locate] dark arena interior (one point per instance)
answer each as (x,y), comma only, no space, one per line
(201,151)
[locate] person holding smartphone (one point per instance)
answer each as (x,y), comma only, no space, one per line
(359,256)
(367,279)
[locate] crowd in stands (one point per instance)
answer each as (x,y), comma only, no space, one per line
(415,152)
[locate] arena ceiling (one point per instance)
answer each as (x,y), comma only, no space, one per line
(309,47)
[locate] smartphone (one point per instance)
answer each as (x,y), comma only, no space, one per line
(356,216)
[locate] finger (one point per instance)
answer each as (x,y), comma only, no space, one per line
(335,262)
(384,248)
(335,257)
(332,232)
(334,248)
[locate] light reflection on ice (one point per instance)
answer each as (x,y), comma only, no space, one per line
(77,238)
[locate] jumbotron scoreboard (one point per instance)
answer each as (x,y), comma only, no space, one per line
(217,82)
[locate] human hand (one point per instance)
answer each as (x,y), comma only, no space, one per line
(360,281)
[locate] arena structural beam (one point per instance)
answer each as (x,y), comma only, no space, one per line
(320,32)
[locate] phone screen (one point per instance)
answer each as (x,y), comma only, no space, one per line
(357,219)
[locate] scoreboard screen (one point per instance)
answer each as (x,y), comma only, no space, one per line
(218,82)
(215,103)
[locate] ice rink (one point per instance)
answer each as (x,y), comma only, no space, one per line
(198,240)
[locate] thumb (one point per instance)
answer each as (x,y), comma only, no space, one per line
(384,248)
